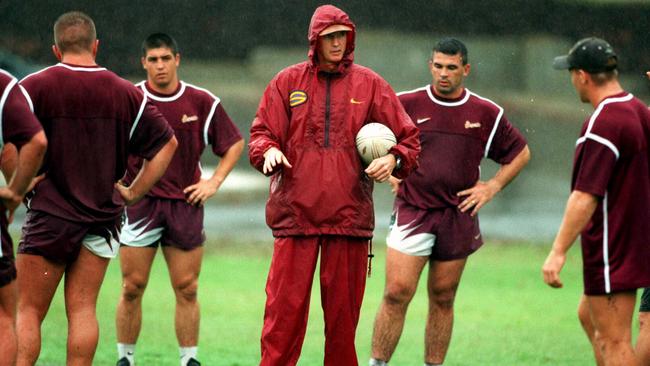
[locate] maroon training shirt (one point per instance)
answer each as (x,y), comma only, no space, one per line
(93,120)
(612,163)
(455,135)
(17,125)
(198,120)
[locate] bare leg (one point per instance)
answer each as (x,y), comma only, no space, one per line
(37,280)
(402,275)
(442,285)
(8,342)
(83,280)
(585,321)
(642,349)
(184,268)
(611,316)
(135,264)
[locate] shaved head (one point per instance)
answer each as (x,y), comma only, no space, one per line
(74,32)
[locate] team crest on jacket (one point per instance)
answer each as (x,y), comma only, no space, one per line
(297,97)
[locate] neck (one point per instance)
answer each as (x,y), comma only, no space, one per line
(81,59)
(164,89)
(598,94)
(328,66)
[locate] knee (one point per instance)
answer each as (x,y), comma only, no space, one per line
(133,288)
(585,318)
(186,291)
(398,294)
(443,297)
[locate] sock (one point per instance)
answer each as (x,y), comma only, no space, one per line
(432,364)
(126,350)
(187,353)
(376,362)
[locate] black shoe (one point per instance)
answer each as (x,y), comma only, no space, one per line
(193,362)
(123,362)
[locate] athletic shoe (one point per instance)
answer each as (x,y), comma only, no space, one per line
(193,362)
(123,362)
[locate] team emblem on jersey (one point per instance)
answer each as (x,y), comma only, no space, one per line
(187,119)
(469,124)
(297,97)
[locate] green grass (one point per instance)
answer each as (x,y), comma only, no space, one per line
(505,315)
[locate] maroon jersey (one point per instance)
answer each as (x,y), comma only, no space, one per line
(198,120)
(93,120)
(612,163)
(17,125)
(455,135)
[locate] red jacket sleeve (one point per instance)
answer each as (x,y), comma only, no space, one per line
(270,124)
(387,109)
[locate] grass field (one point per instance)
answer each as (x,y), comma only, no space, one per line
(504,313)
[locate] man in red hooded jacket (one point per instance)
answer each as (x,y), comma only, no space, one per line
(303,136)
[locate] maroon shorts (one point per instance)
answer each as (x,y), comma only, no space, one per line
(7,271)
(60,240)
(168,222)
(7,266)
(442,234)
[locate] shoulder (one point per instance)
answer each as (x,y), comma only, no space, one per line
(5,79)
(477,101)
(200,94)
(357,70)
(408,96)
(291,72)
(613,114)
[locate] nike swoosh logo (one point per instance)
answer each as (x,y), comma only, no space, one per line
(420,120)
(354,101)
(477,236)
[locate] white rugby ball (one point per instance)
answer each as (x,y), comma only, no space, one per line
(374,140)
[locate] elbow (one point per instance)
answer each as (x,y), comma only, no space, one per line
(173,143)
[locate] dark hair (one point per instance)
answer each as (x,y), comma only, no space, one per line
(74,31)
(451,46)
(159,40)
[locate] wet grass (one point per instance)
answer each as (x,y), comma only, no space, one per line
(505,315)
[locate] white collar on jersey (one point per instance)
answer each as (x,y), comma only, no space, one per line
(78,68)
(448,104)
(170,98)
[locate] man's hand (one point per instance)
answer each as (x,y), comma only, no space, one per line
(10,200)
(201,191)
(552,267)
(272,158)
(394,184)
(381,169)
(478,196)
(127,193)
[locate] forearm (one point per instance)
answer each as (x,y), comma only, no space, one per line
(152,170)
(9,161)
(29,161)
(509,171)
(227,163)
(579,210)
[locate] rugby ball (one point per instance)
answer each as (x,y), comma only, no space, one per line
(374,140)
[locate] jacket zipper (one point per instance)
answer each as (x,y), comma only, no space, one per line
(327,111)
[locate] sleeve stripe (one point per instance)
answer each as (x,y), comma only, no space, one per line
(494,131)
(3,100)
(600,139)
(209,120)
(137,119)
(29,99)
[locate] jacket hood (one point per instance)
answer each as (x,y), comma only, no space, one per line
(323,17)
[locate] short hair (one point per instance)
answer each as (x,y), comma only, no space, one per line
(600,78)
(159,40)
(74,32)
(451,46)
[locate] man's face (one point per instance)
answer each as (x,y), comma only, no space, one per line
(161,65)
(331,47)
(448,73)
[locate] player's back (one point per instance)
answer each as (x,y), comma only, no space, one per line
(89,115)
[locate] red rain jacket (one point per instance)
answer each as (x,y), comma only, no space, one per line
(313,117)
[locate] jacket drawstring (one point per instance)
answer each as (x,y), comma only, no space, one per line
(370,256)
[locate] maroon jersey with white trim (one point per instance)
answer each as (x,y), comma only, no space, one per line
(198,120)
(612,163)
(17,122)
(455,135)
(93,120)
